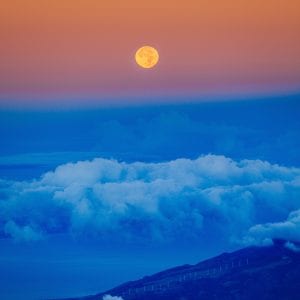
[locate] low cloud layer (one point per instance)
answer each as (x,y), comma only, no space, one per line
(248,201)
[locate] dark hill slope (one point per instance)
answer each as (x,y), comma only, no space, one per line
(259,273)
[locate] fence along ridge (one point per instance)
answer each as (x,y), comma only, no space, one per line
(165,284)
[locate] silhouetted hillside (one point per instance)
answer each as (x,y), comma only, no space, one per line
(259,273)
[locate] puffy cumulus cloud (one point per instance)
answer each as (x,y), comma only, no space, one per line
(288,229)
(180,199)
(109,297)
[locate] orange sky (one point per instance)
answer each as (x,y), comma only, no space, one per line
(86,47)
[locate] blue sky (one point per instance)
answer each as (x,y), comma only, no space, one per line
(102,196)
(261,129)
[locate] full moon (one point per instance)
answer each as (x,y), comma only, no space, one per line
(146,57)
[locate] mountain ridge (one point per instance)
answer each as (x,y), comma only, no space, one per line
(269,272)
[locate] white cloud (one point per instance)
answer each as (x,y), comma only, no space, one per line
(180,199)
(109,297)
(288,229)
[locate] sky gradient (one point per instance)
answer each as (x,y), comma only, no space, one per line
(62,49)
(95,191)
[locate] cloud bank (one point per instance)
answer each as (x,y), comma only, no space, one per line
(247,201)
